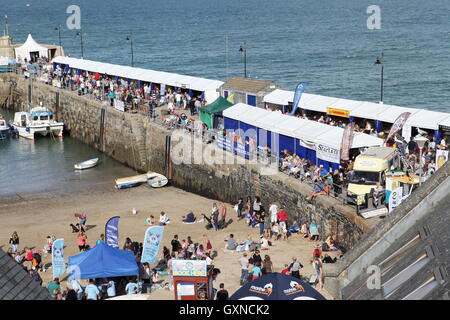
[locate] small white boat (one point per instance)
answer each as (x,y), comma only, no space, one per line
(133,181)
(38,121)
(86,164)
(157,180)
(4,127)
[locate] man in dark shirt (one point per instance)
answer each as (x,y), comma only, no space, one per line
(412,145)
(175,244)
(222,294)
(256,257)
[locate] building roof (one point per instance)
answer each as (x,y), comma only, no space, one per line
(249,85)
(16,284)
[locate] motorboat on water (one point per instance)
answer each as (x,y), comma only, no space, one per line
(157,180)
(38,121)
(133,181)
(87,164)
(4,127)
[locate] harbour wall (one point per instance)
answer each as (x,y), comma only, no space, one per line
(137,142)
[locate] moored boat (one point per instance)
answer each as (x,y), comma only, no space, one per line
(157,180)
(4,127)
(86,164)
(38,121)
(132,181)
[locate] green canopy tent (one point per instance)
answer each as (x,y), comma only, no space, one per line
(207,112)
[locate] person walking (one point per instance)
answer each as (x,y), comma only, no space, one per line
(81,241)
(317,265)
(244,269)
(14,242)
(294,268)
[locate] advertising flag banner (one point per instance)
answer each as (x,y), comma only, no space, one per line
(112,232)
(298,94)
(58,264)
(347,140)
(395,198)
(152,242)
(441,158)
(398,124)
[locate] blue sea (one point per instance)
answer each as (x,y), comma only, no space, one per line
(325,43)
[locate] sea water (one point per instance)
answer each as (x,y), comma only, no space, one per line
(325,43)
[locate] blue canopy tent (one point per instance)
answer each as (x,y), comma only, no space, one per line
(102,261)
(276,286)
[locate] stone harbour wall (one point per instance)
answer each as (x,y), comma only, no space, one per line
(139,143)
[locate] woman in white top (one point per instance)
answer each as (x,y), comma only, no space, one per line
(163,219)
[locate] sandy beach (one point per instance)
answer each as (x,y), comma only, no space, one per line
(34,218)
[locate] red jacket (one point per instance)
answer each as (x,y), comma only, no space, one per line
(282,215)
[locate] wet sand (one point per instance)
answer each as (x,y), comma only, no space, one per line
(35,217)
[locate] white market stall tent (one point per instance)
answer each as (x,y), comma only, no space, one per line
(30,48)
(309,139)
(208,87)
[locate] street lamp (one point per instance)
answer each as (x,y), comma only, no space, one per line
(80,33)
(243,48)
(130,38)
(380,61)
(420,140)
(58,27)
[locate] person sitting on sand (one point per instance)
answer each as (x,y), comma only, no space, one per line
(304,230)
(189,218)
(200,252)
(264,243)
(163,219)
(275,231)
(294,228)
(331,243)
(231,243)
(150,221)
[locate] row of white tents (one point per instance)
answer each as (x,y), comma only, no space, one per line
(209,87)
(294,134)
(420,118)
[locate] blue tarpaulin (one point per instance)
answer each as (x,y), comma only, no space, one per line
(102,261)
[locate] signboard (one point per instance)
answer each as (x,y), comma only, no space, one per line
(185,289)
(374,213)
(327,153)
(445,129)
(189,268)
(338,112)
(441,158)
(119,105)
(391,185)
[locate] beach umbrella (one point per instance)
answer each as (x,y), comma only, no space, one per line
(277,286)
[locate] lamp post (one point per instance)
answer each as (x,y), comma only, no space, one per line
(6,26)
(420,140)
(80,33)
(243,48)
(130,38)
(58,27)
(380,62)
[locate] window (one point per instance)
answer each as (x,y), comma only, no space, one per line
(44,117)
(395,282)
(363,177)
(423,290)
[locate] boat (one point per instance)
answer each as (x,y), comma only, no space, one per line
(86,164)
(157,180)
(133,181)
(38,121)
(4,127)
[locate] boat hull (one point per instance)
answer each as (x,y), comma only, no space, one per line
(33,131)
(86,164)
(133,181)
(157,180)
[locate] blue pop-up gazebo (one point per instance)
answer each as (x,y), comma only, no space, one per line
(102,261)
(277,286)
